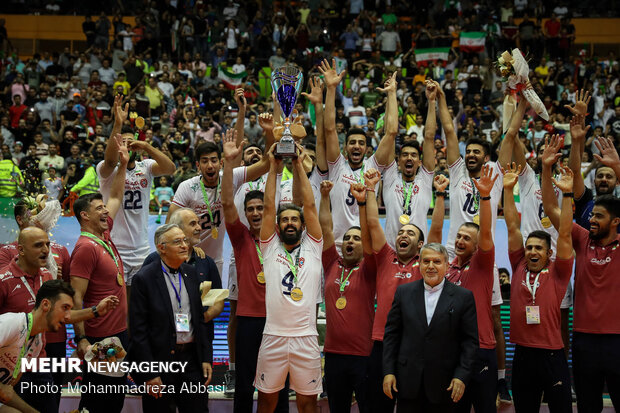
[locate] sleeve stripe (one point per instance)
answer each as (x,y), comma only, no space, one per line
(174,201)
(267,241)
(426,171)
(336,161)
(455,162)
(318,241)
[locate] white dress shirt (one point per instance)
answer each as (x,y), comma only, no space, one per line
(431,296)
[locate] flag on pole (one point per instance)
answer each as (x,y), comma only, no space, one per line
(432,54)
(231,80)
(472,41)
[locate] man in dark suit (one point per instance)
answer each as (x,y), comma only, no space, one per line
(431,338)
(167,324)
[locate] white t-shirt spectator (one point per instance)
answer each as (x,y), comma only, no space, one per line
(355,114)
(389,41)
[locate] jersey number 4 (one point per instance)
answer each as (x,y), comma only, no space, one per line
(133,200)
(288,283)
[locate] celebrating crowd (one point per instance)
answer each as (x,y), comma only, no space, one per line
(159,120)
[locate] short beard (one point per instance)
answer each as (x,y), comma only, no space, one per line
(600,235)
(290,239)
(48,319)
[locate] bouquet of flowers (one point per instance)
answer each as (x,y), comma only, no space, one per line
(515,72)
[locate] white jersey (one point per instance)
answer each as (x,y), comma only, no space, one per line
(286,317)
(189,195)
(345,211)
(130,232)
(464,201)
(394,193)
(315,178)
(13,335)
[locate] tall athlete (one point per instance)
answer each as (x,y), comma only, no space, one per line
(291,243)
(130,233)
(407,187)
(344,172)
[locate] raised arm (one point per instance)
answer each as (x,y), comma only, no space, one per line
(358,191)
(111,151)
(371,177)
(513,222)
(269,211)
(510,147)
(117,189)
(311,216)
(430,128)
(549,157)
(435,232)
(240,124)
(162,166)
(452,141)
(332,80)
(325,215)
(385,150)
(316,98)
(564,243)
(485,186)
(609,154)
(265,121)
(230,153)
(578,132)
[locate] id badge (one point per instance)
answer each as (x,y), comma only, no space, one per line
(182,323)
(532,314)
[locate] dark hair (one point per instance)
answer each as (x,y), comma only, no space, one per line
(83,203)
(20,209)
(205,149)
(543,235)
(610,203)
(410,144)
(477,141)
(252,145)
(51,290)
(126,129)
(471,225)
(287,207)
(310,147)
(503,270)
(354,131)
(253,195)
(421,237)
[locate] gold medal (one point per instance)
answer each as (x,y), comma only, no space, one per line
(546,222)
(119,279)
(261,277)
(341,303)
(296,294)
(214,233)
(477,219)
(404,219)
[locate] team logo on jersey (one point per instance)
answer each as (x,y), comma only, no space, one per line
(402,275)
(416,189)
(346,284)
(301,262)
(143,182)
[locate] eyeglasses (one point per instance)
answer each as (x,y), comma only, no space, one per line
(177,242)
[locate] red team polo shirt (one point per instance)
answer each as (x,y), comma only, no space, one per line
(477,276)
(552,286)
(390,274)
(93,262)
(597,284)
(349,330)
(251,298)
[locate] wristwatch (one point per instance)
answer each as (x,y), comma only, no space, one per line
(79,338)
(95,312)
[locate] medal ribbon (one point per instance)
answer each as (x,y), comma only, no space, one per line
(34,296)
(476,195)
(260,254)
(206,198)
(408,196)
(23,350)
(258,182)
(293,264)
(105,245)
(343,282)
(532,288)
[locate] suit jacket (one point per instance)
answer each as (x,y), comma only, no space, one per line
(430,355)
(151,317)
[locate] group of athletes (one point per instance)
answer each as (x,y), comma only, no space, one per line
(282,231)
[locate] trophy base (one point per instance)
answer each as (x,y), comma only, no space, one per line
(286,149)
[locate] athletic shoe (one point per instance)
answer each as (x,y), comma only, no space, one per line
(502,390)
(229,380)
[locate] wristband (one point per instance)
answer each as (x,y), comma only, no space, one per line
(370,189)
(95,312)
(440,193)
(485,198)
(361,203)
(568,195)
(79,338)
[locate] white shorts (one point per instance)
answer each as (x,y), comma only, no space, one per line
(497,292)
(567,301)
(299,357)
(233,287)
(130,271)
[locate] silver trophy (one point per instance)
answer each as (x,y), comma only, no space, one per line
(286,82)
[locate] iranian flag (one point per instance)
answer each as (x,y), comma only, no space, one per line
(432,54)
(472,41)
(231,80)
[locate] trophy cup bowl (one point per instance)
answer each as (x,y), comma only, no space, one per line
(286,81)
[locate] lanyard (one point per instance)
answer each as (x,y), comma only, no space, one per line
(361,180)
(34,296)
(206,198)
(532,288)
(177,293)
(260,254)
(408,196)
(293,264)
(476,195)
(105,245)
(23,350)
(343,282)
(258,182)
